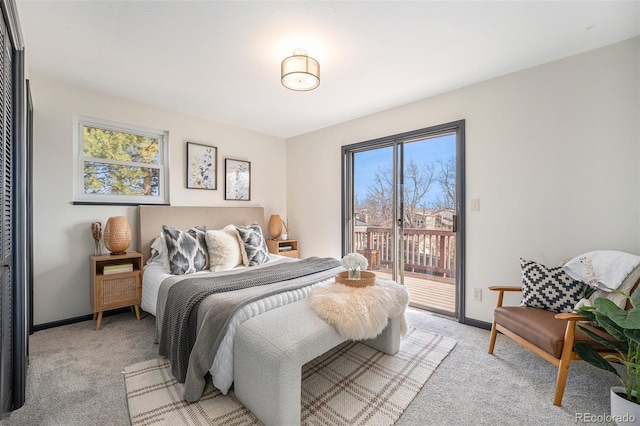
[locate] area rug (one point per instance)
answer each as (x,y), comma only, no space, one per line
(352,384)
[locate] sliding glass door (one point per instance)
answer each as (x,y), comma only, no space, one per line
(401,211)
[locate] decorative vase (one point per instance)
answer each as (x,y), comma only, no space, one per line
(284,236)
(623,411)
(275,226)
(354,274)
(117,235)
(96,231)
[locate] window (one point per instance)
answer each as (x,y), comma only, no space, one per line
(119,163)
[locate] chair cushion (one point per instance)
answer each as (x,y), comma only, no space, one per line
(541,328)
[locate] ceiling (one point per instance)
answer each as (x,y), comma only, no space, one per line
(221,59)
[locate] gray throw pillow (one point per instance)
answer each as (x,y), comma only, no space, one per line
(255,248)
(186,250)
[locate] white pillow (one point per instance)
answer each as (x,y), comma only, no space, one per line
(224,249)
(159,254)
(611,267)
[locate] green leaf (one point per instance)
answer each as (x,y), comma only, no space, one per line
(633,335)
(586,312)
(635,298)
(633,319)
(624,319)
(588,354)
(598,339)
(606,306)
(611,327)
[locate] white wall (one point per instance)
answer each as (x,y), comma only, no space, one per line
(552,153)
(62,237)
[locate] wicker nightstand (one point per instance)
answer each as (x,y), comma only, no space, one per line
(116,282)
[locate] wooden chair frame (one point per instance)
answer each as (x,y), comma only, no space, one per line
(567,355)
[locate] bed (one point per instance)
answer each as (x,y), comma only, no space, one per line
(206,357)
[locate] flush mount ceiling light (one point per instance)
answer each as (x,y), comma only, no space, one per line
(300,72)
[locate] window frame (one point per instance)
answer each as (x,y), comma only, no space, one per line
(80,197)
(348,222)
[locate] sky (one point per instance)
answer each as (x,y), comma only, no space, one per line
(422,151)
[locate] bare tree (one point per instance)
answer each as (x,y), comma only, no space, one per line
(417,183)
(379,200)
(447,180)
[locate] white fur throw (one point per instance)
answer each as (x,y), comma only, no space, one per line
(359,313)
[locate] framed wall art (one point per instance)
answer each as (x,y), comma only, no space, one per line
(202,164)
(237,182)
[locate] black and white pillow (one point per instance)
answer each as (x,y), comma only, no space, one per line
(252,244)
(186,250)
(549,288)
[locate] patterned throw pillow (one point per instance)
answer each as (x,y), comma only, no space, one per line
(549,288)
(186,250)
(252,244)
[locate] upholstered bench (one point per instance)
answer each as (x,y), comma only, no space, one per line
(270,349)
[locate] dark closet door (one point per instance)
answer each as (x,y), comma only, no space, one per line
(6,219)
(14,212)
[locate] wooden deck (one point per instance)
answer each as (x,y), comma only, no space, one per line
(438,294)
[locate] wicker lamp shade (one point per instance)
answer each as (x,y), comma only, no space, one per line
(117,235)
(275,226)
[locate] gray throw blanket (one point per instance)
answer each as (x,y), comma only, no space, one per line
(179,322)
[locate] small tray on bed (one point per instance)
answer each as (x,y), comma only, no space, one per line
(366,279)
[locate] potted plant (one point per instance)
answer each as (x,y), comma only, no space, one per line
(624,326)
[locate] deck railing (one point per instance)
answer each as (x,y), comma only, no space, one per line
(425,251)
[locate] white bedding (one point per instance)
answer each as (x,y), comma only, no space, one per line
(222,368)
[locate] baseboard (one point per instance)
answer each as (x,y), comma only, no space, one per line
(74,320)
(477,323)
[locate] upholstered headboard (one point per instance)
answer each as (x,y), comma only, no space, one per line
(151,219)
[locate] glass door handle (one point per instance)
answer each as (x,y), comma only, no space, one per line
(455,223)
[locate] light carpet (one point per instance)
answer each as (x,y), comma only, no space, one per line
(352,384)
